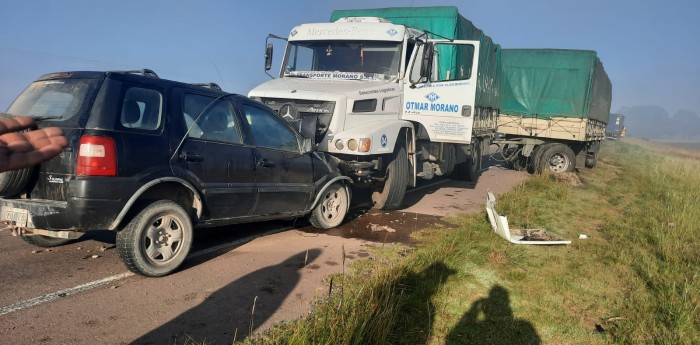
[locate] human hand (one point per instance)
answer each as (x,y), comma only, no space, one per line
(20,150)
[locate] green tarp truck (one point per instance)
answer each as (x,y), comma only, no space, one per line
(395,94)
(554,108)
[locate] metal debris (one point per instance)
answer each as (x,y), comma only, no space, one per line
(376,228)
(499,224)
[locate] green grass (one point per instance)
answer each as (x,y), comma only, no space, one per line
(635,280)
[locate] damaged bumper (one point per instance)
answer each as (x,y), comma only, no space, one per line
(53,218)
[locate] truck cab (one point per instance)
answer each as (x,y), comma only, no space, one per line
(391,102)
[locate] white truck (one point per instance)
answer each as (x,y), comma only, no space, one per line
(395,94)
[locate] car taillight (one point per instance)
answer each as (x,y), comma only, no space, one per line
(97,156)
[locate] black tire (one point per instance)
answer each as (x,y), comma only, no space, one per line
(332,208)
(142,243)
(45,241)
(390,195)
(474,163)
(556,158)
(14,182)
(519,164)
(591,160)
(535,156)
(592,157)
(471,169)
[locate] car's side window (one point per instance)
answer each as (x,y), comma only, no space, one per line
(142,108)
(269,130)
(208,118)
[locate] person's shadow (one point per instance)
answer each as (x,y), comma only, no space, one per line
(490,321)
(227,314)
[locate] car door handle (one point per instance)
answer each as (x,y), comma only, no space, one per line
(191,157)
(266,164)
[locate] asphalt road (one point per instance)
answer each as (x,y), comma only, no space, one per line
(238,280)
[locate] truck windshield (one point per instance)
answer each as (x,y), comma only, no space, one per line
(363,60)
(55,99)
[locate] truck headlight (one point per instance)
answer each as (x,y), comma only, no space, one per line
(352,144)
(339,144)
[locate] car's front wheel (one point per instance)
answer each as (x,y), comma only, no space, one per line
(157,240)
(332,207)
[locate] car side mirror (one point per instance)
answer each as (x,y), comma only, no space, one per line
(268,57)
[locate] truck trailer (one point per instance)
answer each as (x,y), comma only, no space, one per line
(395,94)
(554,108)
(616,127)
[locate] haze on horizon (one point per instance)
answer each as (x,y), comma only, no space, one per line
(648,48)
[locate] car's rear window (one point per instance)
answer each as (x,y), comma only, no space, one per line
(55,99)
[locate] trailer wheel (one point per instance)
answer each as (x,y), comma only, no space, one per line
(390,195)
(45,241)
(332,207)
(592,157)
(556,158)
(591,160)
(157,240)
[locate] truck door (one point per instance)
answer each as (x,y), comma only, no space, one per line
(441,95)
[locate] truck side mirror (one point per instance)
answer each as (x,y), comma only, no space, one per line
(427,61)
(307,145)
(268,57)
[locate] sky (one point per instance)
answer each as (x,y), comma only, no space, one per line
(649,48)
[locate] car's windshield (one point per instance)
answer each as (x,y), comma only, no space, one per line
(366,60)
(56,99)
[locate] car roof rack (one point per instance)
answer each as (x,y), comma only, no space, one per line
(145,72)
(213,86)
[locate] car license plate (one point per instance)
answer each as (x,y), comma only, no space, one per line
(17,215)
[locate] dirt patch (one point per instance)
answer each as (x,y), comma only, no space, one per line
(569,178)
(381,226)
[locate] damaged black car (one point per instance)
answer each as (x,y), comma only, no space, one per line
(154,159)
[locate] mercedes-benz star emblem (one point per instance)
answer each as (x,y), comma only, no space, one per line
(289,111)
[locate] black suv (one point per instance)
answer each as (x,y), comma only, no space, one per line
(152,159)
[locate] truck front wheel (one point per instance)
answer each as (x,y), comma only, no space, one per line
(390,195)
(474,162)
(556,158)
(471,169)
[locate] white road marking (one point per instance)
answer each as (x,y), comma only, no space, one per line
(97,283)
(62,293)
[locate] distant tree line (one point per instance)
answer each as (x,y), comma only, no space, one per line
(654,122)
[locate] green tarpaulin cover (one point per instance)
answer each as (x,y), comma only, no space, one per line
(446,22)
(545,83)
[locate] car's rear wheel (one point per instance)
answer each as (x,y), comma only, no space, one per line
(157,240)
(45,241)
(332,207)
